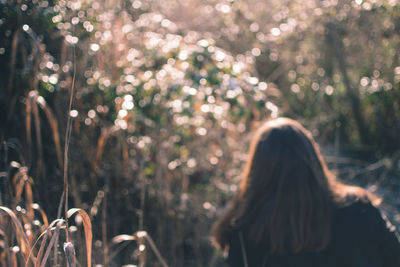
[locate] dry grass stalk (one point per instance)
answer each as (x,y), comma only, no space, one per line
(14,257)
(45,235)
(142,248)
(29,200)
(52,244)
(66,149)
(28,122)
(20,234)
(14,46)
(155,250)
(87,226)
(105,134)
(21,182)
(141,236)
(33,102)
(54,127)
(69,251)
(104,229)
(3,259)
(33,95)
(42,245)
(18,181)
(119,239)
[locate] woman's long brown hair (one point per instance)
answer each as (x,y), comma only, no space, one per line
(287,195)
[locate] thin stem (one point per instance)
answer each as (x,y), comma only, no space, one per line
(156,251)
(66,146)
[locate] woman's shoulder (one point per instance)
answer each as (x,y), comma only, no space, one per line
(355,206)
(356,215)
(361,216)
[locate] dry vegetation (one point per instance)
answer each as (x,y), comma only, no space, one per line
(154,112)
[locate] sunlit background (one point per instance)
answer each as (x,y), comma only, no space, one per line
(166,95)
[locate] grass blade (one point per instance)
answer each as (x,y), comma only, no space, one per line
(87,226)
(41,249)
(121,238)
(21,237)
(28,122)
(154,248)
(45,236)
(54,128)
(69,251)
(18,182)
(13,60)
(29,199)
(52,244)
(34,95)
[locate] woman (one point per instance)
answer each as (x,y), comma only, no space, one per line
(291,211)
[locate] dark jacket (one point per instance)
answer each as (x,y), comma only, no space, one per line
(361,237)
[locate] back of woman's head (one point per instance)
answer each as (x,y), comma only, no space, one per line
(286,194)
(285,186)
(283,158)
